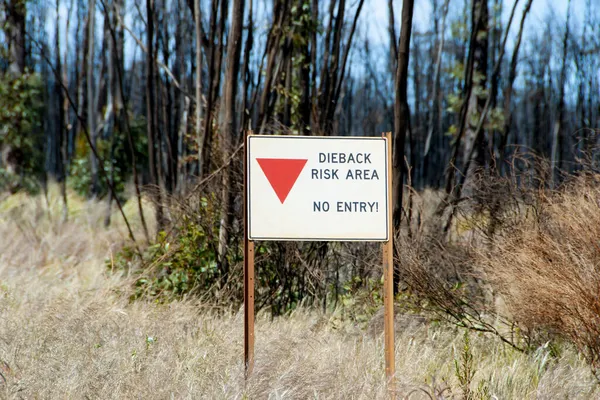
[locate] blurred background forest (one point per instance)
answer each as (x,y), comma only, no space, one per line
(98,93)
(148,102)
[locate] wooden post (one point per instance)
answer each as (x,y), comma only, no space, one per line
(248,277)
(388,281)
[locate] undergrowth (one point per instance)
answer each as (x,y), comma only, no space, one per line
(521,266)
(67,331)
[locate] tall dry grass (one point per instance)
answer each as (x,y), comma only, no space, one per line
(68,332)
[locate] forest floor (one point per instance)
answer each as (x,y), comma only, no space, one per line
(67,331)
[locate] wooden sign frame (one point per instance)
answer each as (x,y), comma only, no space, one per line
(388,278)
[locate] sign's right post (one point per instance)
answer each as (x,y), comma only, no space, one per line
(388,281)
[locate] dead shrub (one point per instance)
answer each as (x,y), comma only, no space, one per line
(442,279)
(546,264)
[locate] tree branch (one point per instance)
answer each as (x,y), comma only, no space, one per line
(157,62)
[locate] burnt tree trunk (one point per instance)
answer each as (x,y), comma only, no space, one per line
(401,111)
(153,142)
(557,133)
(91,106)
(512,75)
(401,117)
(228,129)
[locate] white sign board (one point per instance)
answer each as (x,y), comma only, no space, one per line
(317,188)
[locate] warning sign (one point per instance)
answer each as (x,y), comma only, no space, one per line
(317,188)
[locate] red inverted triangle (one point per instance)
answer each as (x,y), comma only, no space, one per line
(281,173)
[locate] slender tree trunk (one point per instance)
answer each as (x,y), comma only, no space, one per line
(512,75)
(68,126)
(476,101)
(168,105)
(181,149)
(305,103)
(557,133)
(414,128)
(401,118)
(228,128)
(436,98)
(246,107)
(62,127)
(462,117)
(280,15)
(121,112)
(496,41)
(183,101)
(198,30)
(82,56)
(325,69)
(15,31)
(109,115)
(313,63)
(339,80)
(478,133)
(589,121)
(216,57)
(153,143)
(401,112)
(205,146)
(159,130)
(392,33)
(91,106)
(287,106)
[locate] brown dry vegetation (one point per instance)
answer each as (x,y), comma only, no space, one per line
(67,329)
(545,262)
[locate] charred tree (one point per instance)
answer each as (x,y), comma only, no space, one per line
(228,129)
(401,117)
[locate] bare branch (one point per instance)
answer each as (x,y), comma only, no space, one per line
(158,62)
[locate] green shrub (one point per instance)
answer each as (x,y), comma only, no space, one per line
(181,261)
(21,130)
(117,160)
(81,172)
(464,370)
(186,264)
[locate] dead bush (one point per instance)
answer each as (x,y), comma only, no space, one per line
(441,277)
(545,262)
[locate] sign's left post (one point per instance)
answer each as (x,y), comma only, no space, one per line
(248,276)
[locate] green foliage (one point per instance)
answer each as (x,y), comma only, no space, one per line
(478,88)
(495,119)
(189,262)
(457,71)
(21,131)
(81,172)
(361,298)
(463,367)
(178,265)
(303,25)
(459,31)
(13,182)
(117,160)
(299,33)
(464,371)
(181,261)
(454,103)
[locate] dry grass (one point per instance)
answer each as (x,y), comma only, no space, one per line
(66,333)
